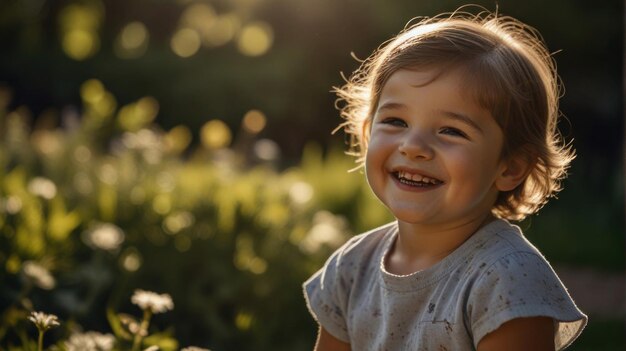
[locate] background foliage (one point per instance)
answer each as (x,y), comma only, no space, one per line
(194,128)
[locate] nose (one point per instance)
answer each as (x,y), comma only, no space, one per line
(416,146)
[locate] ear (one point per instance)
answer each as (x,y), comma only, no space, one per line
(514,171)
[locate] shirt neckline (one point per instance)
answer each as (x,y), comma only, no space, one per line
(426,277)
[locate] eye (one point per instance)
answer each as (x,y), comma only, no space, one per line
(453,132)
(394,121)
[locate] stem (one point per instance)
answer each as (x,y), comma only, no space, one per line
(145,322)
(40,341)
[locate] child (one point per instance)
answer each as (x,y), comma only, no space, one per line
(455,122)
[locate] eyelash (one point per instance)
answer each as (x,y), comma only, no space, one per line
(394,121)
(453,131)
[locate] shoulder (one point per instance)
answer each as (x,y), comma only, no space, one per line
(359,253)
(511,280)
(500,245)
(327,291)
(363,246)
(500,238)
(505,259)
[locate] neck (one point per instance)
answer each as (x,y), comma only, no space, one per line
(418,247)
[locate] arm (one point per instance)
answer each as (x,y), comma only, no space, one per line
(536,333)
(327,342)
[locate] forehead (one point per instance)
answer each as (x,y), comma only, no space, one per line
(469,81)
(452,84)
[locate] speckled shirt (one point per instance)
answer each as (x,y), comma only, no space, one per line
(493,277)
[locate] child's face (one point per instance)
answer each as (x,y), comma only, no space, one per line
(434,155)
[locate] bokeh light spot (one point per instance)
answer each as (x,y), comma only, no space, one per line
(215,134)
(254,121)
(131,259)
(301,192)
(223,30)
(105,106)
(92,91)
(135,116)
(80,17)
(200,17)
(80,44)
(185,42)
(162,204)
(178,139)
(79,25)
(266,150)
(182,243)
(255,39)
(134,35)
(82,154)
(132,40)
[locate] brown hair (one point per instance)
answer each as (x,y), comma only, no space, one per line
(509,72)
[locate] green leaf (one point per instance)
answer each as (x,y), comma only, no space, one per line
(116,325)
(60,222)
(164,341)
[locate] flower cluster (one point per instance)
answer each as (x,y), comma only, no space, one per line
(148,300)
(44,321)
(38,275)
(90,341)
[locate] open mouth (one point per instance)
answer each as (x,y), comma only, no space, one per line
(415,180)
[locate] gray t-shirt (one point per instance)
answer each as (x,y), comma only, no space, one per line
(493,277)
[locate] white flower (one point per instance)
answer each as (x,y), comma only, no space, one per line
(301,192)
(148,300)
(12,205)
(327,229)
(38,275)
(152,348)
(42,187)
(90,341)
(131,324)
(266,150)
(44,321)
(194,348)
(104,236)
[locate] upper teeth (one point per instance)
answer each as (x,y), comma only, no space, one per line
(417,177)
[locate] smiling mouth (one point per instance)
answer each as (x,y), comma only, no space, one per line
(415,180)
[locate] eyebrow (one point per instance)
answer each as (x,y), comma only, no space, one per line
(391,106)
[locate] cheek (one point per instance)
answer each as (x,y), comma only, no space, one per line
(475,168)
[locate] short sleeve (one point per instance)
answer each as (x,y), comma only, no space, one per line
(325,294)
(523,285)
